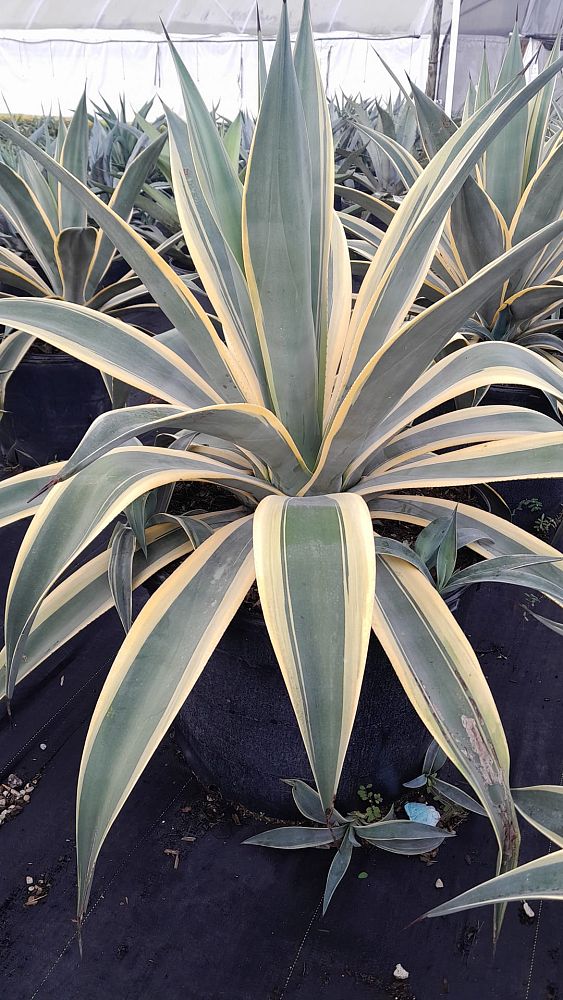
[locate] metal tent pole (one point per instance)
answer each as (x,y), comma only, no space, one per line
(452,56)
(434,49)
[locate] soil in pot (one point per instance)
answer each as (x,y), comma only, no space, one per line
(51,400)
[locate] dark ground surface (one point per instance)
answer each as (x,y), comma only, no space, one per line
(244,923)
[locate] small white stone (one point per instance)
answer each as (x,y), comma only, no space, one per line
(439,884)
(29,879)
(42,746)
(399,972)
(30,888)
(528,910)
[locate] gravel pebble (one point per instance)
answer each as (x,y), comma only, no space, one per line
(399,972)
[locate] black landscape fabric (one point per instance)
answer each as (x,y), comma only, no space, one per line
(181,910)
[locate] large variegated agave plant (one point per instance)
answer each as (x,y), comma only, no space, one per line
(314,412)
(515,189)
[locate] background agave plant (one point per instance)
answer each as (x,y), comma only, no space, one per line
(364,132)
(113,141)
(495,209)
(65,256)
(308,407)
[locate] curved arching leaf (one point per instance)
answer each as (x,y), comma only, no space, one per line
(539,879)
(320,633)
(76,511)
(444,681)
(151,678)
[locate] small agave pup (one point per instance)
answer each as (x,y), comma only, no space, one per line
(309,407)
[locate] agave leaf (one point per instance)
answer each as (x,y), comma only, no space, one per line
(542,200)
(154,132)
(419,782)
(136,514)
(251,427)
(145,689)
(434,758)
(479,236)
(122,203)
(338,868)
(537,124)
(469,103)
(381,210)
(534,302)
(298,541)
(395,78)
(457,796)
(80,508)
(277,249)
(539,879)
(215,262)
(319,132)
(446,555)
(219,179)
(464,370)
(436,127)
(13,347)
(527,457)
(391,547)
(444,681)
(198,531)
(86,594)
(20,274)
(38,183)
(111,345)
(293,838)
(502,569)
(159,206)
(428,541)
(340,296)
(554,626)
(74,158)
(483,92)
(403,836)
(74,249)
(505,185)
(405,164)
(262,71)
(468,425)
(542,806)
(20,496)
(22,208)
(120,573)
(232,139)
(309,804)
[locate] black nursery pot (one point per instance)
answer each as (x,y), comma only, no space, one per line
(51,400)
(238,732)
(518,395)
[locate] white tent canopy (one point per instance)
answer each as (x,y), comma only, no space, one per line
(50,47)
(213,17)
